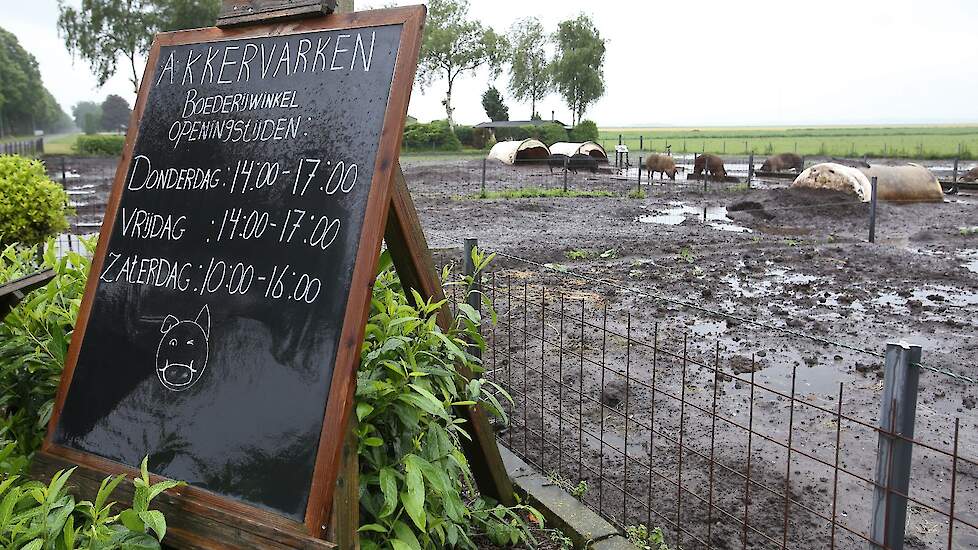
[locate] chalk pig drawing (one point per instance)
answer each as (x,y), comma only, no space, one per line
(182,354)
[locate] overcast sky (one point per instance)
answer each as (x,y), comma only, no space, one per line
(692,63)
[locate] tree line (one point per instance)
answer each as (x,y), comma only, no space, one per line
(454,45)
(25,104)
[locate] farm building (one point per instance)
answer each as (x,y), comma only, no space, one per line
(589,148)
(496,124)
(528,150)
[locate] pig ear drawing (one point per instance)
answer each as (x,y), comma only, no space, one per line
(204,320)
(168,323)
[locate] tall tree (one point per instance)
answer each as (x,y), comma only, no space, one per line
(454,45)
(577,69)
(83,108)
(25,104)
(115,113)
(492,102)
(103,31)
(529,74)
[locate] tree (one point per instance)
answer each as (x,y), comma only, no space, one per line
(115,113)
(102,31)
(454,45)
(492,102)
(577,68)
(529,75)
(25,104)
(83,108)
(186,14)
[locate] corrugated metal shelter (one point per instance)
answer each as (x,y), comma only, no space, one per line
(589,148)
(527,150)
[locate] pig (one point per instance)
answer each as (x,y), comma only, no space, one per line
(783,162)
(970,175)
(661,163)
(556,160)
(581,161)
(713,165)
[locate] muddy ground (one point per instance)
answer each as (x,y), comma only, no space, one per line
(797,262)
(790,259)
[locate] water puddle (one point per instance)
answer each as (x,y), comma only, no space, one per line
(677,213)
(970,258)
(929,295)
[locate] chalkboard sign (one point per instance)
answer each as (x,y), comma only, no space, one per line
(221,326)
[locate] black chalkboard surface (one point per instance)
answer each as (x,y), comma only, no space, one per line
(220,299)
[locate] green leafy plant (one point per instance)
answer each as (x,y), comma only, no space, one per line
(636,194)
(577,254)
(436,135)
(641,537)
(414,479)
(609,254)
(968,231)
(34,341)
(36,516)
(32,207)
(100,145)
(686,255)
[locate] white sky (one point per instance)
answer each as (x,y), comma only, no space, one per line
(697,62)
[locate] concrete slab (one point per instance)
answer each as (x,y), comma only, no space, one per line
(560,510)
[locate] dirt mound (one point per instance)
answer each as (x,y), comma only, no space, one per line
(798,207)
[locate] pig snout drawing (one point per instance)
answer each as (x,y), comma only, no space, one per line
(182,354)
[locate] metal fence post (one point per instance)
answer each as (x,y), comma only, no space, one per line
(474,296)
(897,413)
(872,212)
(750,169)
(954,174)
(565,173)
(639,188)
(484,160)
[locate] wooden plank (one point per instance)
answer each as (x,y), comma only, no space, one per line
(248,12)
(416,269)
(186,518)
(13,292)
(345,519)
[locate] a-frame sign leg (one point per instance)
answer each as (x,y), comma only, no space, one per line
(416,269)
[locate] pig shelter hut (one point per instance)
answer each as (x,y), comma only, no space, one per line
(513,152)
(907,183)
(588,148)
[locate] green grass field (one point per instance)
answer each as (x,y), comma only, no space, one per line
(914,142)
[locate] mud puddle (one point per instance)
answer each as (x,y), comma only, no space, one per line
(677,213)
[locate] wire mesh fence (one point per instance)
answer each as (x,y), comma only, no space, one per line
(653,425)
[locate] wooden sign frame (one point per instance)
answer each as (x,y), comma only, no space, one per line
(199,518)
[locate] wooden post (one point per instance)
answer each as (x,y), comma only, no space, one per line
(345,519)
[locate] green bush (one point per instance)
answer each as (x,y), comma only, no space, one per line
(435,135)
(32,207)
(586,130)
(36,516)
(34,341)
(466,135)
(549,133)
(413,475)
(100,145)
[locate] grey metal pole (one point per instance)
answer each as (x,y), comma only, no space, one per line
(641,143)
(484,160)
(872,212)
(954,174)
(639,174)
(474,297)
(565,174)
(897,414)
(750,169)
